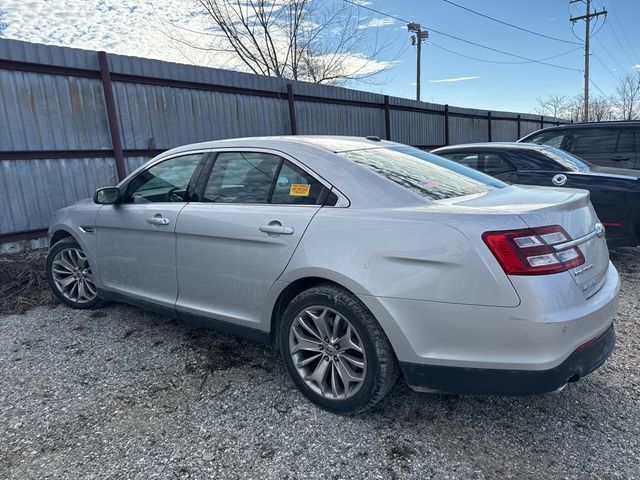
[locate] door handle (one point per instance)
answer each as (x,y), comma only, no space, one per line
(619,159)
(276,228)
(158,220)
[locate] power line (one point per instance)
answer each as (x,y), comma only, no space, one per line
(464,40)
(624,33)
(615,35)
(605,66)
(510,24)
(501,62)
(610,55)
(597,87)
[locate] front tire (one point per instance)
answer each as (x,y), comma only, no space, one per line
(335,351)
(70,276)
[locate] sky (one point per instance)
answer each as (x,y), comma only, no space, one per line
(453,71)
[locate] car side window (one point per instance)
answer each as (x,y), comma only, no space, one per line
(166,181)
(553,138)
(242,177)
(492,164)
(489,163)
(295,186)
(254,177)
(594,140)
(626,141)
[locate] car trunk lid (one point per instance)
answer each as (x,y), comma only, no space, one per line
(569,208)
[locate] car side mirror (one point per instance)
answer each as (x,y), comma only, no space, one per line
(107,195)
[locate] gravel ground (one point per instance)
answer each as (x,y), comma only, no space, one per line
(120,393)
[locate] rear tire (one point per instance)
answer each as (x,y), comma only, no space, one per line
(335,351)
(70,276)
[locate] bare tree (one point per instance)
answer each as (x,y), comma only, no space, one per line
(628,96)
(601,109)
(321,41)
(554,105)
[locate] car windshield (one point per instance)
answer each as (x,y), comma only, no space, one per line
(565,159)
(425,174)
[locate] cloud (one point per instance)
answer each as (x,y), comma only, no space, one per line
(378,22)
(455,79)
(171,30)
(636,66)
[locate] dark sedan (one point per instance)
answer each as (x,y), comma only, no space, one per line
(615,192)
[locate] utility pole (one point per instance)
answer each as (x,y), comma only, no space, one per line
(417,39)
(587,22)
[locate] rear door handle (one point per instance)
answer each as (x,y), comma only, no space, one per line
(158,220)
(276,228)
(620,159)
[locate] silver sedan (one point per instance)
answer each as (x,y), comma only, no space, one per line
(359,259)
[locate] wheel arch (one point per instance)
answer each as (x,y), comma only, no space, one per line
(60,234)
(305,282)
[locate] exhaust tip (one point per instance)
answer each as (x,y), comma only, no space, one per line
(558,390)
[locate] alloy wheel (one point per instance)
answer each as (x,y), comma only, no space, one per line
(72,275)
(327,353)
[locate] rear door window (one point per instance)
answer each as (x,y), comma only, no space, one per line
(260,178)
(489,163)
(242,177)
(626,141)
(594,140)
(294,186)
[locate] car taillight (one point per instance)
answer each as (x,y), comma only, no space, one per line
(529,251)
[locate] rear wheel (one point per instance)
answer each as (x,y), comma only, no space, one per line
(335,350)
(70,276)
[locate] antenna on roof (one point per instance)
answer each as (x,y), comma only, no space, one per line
(373,138)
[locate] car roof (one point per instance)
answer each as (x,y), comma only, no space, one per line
(608,123)
(331,143)
(493,145)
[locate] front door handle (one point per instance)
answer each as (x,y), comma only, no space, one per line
(276,228)
(158,220)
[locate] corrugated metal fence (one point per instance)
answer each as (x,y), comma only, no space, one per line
(72,120)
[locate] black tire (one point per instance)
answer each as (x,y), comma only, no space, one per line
(56,248)
(382,369)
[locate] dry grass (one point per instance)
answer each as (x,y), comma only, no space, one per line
(23,284)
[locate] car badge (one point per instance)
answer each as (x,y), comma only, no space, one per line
(559,179)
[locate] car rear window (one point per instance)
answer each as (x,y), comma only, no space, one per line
(565,159)
(425,174)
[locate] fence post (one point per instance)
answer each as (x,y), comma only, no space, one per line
(519,126)
(112,116)
(292,109)
(446,124)
(489,124)
(387,117)
(541,121)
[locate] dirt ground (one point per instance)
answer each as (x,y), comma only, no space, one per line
(121,393)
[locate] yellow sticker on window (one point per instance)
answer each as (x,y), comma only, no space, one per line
(300,190)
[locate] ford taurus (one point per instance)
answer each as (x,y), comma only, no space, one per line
(359,259)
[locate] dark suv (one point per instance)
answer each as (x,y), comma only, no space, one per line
(610,144)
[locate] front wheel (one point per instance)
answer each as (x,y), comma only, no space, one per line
(70,276)
(335,351)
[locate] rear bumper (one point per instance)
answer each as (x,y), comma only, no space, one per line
(479,381)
